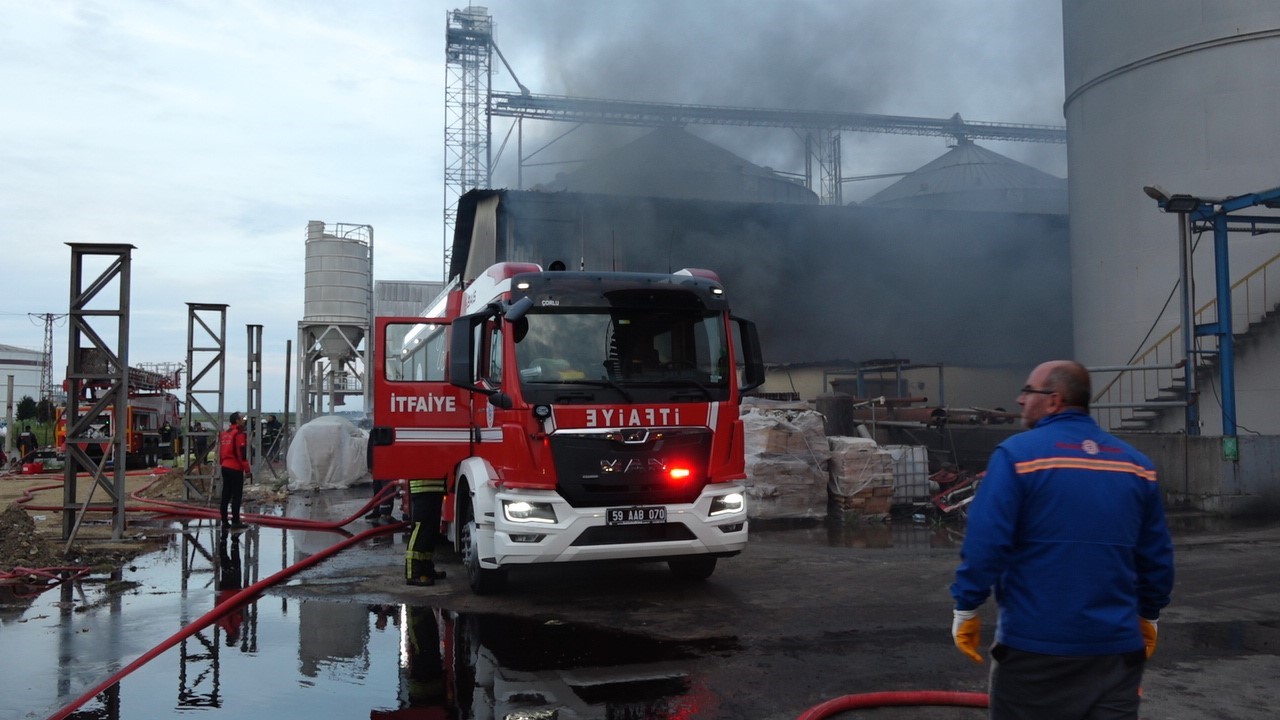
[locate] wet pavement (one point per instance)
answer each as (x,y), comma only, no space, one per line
(809,612)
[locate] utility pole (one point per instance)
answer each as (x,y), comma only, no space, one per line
(46,364)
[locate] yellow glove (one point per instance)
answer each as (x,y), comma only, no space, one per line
(1148,628)
(966,631)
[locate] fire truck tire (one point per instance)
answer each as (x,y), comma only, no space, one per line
(483,581)
(692,567)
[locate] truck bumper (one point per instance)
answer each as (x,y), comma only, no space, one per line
(580,534)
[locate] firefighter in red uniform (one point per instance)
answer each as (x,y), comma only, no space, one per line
(233,453)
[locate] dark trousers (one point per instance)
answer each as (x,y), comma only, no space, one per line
(1031,686)
(232,493)
(387,505)
(424,510)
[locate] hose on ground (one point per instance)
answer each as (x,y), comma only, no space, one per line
(894,699)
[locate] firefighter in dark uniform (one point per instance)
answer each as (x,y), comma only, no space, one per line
(425,496)
(424,689)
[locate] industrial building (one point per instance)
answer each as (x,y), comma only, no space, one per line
(983,290)
(24,366)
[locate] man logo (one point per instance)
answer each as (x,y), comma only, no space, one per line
(632,465)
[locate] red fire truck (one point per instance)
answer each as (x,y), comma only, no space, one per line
(149,407)
(574,415)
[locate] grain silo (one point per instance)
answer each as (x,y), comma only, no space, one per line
(337,315)
(1183,95)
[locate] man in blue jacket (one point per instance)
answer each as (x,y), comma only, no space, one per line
(1068,529)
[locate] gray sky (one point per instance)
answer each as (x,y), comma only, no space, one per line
(207,134)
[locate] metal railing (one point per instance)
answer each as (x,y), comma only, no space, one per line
(1155,380)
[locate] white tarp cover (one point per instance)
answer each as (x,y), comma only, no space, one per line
(327,453)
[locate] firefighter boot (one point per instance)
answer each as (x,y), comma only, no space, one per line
(421,572)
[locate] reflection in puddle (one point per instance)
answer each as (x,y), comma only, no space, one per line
(288,658)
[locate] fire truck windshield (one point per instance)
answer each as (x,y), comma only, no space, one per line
(656,354)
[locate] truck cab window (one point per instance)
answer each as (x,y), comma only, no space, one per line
(415,353)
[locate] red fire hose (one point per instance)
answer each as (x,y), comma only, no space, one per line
(894,699)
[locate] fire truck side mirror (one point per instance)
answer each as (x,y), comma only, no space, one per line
(752,358)
(518,309)
(462,346)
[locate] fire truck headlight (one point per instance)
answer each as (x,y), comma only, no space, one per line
(526,512)
(727,504)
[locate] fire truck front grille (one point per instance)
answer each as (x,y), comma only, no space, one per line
(627,534)
(631,466)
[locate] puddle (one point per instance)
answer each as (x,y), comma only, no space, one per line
(289,658)
(908,532)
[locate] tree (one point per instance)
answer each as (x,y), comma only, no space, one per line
(26,408)
(45,411)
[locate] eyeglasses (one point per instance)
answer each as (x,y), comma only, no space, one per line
(1028,390)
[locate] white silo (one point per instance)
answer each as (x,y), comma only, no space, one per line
(1184,95)
(336,319)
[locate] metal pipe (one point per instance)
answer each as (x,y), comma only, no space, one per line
(1226,339)
(1125,368)
(1147,404)
(1192,415)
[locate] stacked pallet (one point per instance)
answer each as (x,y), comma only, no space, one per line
(786,459)
(861,476)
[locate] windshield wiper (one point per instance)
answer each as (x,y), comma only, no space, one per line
(600,383)
(678,382)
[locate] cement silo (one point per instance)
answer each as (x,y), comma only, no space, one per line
(1184,95)
(336,319)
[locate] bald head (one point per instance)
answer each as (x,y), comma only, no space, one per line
(1052,387)
(1069,379)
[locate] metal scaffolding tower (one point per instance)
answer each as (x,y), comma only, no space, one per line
(94,366)
(201,475)
(468,79)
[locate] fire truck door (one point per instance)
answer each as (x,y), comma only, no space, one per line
(421,423)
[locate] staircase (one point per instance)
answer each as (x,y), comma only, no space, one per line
(1158,375)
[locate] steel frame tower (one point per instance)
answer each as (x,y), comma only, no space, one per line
(206,378)
(93,362)
(468,82)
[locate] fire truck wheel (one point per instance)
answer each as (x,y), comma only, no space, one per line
(693,567)
(483,581)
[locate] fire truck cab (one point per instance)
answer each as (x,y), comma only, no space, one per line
(574,415)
